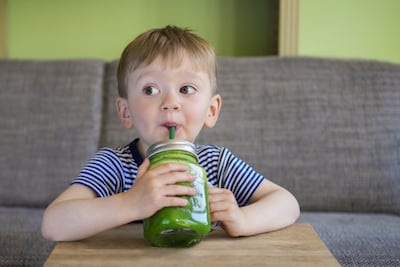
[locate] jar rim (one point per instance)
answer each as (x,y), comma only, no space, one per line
(171,145)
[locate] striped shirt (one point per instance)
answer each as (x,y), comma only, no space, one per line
(113,171)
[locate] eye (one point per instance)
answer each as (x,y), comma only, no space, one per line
(150,90)
(187,89)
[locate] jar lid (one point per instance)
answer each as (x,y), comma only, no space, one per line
(171,145)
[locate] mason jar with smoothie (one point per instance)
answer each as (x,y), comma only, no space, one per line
(179,226)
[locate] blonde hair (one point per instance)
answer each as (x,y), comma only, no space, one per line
(171,43)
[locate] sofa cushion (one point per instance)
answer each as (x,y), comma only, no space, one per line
(328,130)
(20,241)
(358,239)
(49,126)
(113,133)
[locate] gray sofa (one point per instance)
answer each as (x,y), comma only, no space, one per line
(328,130)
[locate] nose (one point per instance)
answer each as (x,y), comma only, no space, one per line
(170,102)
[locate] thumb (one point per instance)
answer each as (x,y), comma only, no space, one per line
(143,168)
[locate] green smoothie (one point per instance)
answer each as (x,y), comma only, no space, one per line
(179,226)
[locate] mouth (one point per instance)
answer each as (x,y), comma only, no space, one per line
(170,124)
(171,128)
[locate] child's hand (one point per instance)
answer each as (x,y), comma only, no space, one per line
(157,188)
(224,208)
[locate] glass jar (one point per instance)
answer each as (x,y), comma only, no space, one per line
(179,226)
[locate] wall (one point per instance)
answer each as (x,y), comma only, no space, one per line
(3,34)
(48,29)
(350,29)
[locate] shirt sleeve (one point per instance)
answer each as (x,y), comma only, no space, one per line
(238,176)
(103,173)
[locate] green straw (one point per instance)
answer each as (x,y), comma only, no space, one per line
(171,132)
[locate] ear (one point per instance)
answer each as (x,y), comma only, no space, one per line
(213,111)
(124,113)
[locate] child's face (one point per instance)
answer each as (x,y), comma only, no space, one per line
(160,96)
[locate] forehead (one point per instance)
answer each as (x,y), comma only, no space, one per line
(184,71)
(162,64)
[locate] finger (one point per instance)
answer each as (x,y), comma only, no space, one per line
(213,190)
(170,167)
(220,216)
(216,197)
(218,191)
(143,167)
(219,206)
(215,217)
(220,194)
(177,177)
(180,190)
(174,202)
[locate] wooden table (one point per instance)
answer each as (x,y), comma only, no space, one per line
(297,245)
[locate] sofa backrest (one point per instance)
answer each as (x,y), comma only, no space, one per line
(113,134)
(327,130)
(49,126)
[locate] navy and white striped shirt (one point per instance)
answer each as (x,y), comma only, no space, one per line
(113,171)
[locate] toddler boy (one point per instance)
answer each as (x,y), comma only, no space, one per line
(166,77)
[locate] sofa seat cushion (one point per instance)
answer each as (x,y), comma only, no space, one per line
(358,239)
(21,243)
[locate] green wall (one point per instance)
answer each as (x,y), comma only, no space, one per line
(368,29)
(53,29)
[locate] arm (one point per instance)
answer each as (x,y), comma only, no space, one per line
(271,208)
(77,213)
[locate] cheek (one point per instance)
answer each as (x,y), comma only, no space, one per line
(143,113)
(136,105)
(198,114)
